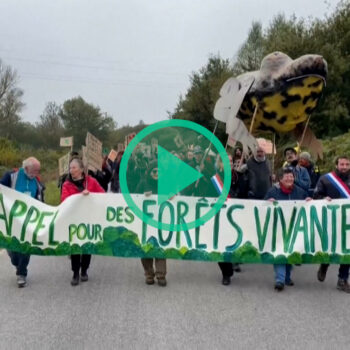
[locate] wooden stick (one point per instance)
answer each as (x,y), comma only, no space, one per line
(253,119)
(303,134)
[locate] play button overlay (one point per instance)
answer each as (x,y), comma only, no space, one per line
(169,174)
(174,175)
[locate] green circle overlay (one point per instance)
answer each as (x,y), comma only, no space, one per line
(166,124)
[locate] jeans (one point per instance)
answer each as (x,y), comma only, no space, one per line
(20,261)
(282,273)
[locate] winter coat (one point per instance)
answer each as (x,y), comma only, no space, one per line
(325,188)
(71,187)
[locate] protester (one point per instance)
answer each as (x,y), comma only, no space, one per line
(286,189)
(238,189)
(259,175)
(63,177)
(313,170)
(149,186)
(77,183)
(25,180)
(302,178)
(115,183)
(104,175)
(333,185)
(203,187)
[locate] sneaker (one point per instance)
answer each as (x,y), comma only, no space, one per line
(21,281)
(322,272)
(226,280)
(84,277)
(161,282)
(75,280)
(149,280)
(279,286)
(343,285)
(289,283)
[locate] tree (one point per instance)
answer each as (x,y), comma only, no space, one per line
(200,99)
(50,127)
(79,117)
(10,101)
(251,53)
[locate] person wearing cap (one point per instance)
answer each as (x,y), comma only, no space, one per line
(153,267)
(313,170)
(301,175)
(285,189)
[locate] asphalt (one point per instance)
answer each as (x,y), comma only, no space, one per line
(116,310)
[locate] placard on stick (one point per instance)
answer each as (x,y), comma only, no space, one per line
(93,152)
(63,165)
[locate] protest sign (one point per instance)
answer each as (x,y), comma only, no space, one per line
(112,155)
(63,165)
(93,152)
(246,231)
(66,141)
(120,147)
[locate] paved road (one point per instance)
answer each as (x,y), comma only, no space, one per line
(116,310)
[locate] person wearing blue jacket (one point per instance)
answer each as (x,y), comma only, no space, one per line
(301,175)
(24,180)
(285,189)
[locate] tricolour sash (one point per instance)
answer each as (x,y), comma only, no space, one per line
(339,184)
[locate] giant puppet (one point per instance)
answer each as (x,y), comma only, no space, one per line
(279,97)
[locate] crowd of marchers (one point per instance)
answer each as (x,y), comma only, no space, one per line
(251,178)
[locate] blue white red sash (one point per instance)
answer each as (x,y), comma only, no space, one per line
(339,184)
(217,182)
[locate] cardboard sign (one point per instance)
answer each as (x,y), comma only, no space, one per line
(120,147)
(66,141)
(93,152)
(63,165)
(112,155)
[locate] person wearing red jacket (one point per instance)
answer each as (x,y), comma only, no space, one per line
(77,183)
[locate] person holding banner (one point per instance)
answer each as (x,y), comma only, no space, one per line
(333,185)
(149,186)
(286,189)
(77,183)
(25,180)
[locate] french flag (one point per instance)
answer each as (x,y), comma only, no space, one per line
(217,182)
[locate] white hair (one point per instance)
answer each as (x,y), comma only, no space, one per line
(29,162)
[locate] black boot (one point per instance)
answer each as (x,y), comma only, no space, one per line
(84,276)
(75,279)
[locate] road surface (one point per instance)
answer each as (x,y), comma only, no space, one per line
(116,310)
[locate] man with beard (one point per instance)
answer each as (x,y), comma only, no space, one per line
(333,185)
(259,175)
(301,176)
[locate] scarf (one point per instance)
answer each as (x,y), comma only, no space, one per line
(286,190)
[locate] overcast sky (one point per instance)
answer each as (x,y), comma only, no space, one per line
(132,58)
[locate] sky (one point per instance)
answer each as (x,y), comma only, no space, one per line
(131,58)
